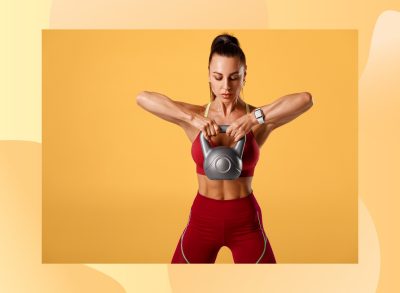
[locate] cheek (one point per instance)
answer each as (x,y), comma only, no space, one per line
(237,85)
(215,85)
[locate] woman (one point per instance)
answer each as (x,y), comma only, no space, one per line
(225,212)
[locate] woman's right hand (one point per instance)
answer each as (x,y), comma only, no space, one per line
(206,125)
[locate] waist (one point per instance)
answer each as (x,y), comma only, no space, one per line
(224,189)
(205,207)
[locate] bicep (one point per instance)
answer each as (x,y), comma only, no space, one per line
(164,107)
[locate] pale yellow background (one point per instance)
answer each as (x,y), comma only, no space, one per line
(118,182)
(378,25)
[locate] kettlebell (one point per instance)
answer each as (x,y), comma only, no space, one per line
(221,162)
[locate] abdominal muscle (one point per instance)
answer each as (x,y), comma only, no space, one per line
(224,189)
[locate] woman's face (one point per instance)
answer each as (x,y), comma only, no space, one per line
(226,75)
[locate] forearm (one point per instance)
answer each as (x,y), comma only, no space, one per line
(285,109)
(164,107)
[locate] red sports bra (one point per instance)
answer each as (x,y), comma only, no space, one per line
(250,156)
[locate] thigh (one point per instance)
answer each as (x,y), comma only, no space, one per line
(249,242)
(200,241)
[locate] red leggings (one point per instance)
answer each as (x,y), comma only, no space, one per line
(213,223)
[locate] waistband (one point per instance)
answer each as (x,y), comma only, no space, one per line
(230,207)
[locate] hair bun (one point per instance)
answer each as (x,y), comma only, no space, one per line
(224,39)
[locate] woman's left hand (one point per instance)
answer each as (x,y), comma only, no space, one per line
(241,126)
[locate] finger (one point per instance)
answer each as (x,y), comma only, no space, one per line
(209,139)
(228,130)
(238,137)
(213,130)
(209,133)
(216,128)
(205,131)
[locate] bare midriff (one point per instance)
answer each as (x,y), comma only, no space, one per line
(224,189)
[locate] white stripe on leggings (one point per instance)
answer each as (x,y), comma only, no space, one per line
(183,234)
(265,238)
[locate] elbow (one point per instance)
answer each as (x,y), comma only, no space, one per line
(308,99)
(140,96)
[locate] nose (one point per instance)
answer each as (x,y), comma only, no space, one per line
(226,84)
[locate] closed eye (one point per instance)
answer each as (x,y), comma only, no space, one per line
(232,78)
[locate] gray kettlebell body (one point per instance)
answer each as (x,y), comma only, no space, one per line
(221,162)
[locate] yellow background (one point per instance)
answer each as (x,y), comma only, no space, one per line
(118,182)
(378,24)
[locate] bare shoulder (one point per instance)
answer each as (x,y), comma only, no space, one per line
(261,131)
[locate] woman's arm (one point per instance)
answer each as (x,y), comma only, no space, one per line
(180,113)
(164,107)
(276,114)
(285,109)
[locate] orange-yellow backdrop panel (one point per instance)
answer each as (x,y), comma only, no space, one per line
(118,182)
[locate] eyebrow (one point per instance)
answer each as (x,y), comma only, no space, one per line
(230,74)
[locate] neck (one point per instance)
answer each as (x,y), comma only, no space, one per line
(225,108)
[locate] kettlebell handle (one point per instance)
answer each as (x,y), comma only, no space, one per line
(223,128)
(206,148)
